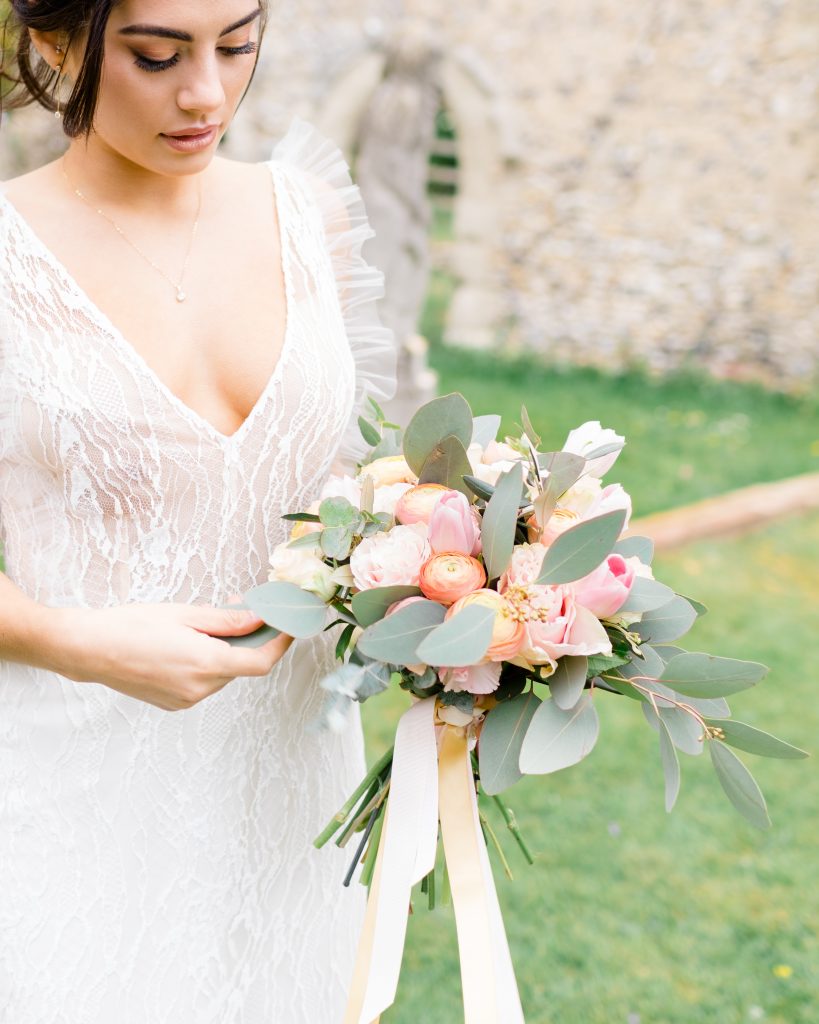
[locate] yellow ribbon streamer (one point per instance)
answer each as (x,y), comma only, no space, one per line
(469,896)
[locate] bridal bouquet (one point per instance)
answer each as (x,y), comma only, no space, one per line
(491,581)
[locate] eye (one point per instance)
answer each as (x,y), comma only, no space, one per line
(237,51)
(155,65)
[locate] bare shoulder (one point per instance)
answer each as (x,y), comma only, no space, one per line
(33,187)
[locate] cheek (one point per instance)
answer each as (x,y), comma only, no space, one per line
(125,99)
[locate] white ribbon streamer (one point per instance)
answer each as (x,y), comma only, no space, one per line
(410,842)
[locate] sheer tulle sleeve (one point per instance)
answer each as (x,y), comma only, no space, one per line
(326,174)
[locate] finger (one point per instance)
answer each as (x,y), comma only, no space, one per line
(223,621)
(256,661)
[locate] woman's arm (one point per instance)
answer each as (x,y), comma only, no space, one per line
(163,654)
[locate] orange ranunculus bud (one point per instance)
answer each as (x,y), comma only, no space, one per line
(451,575)
(508,631)
(416,504)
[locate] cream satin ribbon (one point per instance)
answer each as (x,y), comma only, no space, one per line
(406,854)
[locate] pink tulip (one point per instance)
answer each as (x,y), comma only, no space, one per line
(453,526)
(605,590)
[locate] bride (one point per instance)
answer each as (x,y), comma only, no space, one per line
(184,345)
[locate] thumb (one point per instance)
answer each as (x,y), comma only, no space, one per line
(224,621)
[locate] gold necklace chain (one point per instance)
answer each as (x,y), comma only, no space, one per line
(177,285)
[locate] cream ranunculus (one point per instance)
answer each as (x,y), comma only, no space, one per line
(305,569)
(391,469)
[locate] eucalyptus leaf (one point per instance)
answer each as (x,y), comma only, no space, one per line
(670,622)
(528,429)
(579,550)
(395,639)
(558,739)
(336,541)
(370,433)
(369,606)
(685,731)
(358,682)
(485,429)
(307,540)
(755,741)
(459,641)
(499,521)
(255,639)
(563,469)
(739,785)
(704,675)
(650,665)
(338,511)
(698,606)
(604,449)
(457,699)
(367,498)
(568,681)
(288,608)
(379,412)
(479,487)
(642,547)
(646,595)
(671,766)
(447,464)
(501,739)
(598,664)
(389,445)
(440,418)
(301,517)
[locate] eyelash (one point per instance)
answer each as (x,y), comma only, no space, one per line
(162,65)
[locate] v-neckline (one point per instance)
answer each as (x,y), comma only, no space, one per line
(133,355)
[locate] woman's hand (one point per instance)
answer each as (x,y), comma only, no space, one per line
(164,654)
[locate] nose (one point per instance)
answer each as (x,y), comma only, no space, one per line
(202,91)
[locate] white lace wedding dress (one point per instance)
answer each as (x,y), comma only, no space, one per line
(156,867)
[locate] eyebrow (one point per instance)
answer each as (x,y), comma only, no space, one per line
(185,37)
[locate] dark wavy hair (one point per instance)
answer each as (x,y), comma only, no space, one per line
(25,78)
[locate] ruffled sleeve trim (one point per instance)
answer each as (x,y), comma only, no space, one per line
(359,285)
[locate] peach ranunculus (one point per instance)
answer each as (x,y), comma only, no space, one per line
(416,504)
(450,575)
(555,625)
(453,525)
(508,630)
(391,559)
(605,590)
(391,469)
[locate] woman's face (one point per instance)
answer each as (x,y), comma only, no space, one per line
(173,75)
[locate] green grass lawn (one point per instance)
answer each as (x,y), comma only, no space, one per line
(687,437)
(630,914)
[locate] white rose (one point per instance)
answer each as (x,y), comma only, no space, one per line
(586,438)
(385,498)
(305,569)
(342,487)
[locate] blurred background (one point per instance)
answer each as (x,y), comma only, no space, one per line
(608,211)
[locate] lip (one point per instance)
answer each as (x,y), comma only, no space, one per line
(189,140)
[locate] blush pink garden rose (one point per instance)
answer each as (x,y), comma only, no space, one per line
(416,504)
(605,590)
(508,631)
(524,566)
(556,626)
(453,525)
(476,679)
(451,575)
(390,559)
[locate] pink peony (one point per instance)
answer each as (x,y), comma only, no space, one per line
(606,589)
(453,525)
(390,559)
(524,566)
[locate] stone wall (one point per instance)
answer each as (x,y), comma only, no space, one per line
(639,181)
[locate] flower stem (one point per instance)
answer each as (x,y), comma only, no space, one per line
(360,848)
(488,830)
(512,824)
(341,816)
(372,849)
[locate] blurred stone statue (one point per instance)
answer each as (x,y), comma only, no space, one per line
(396,135)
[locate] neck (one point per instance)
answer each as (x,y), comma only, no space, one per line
(113,182)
